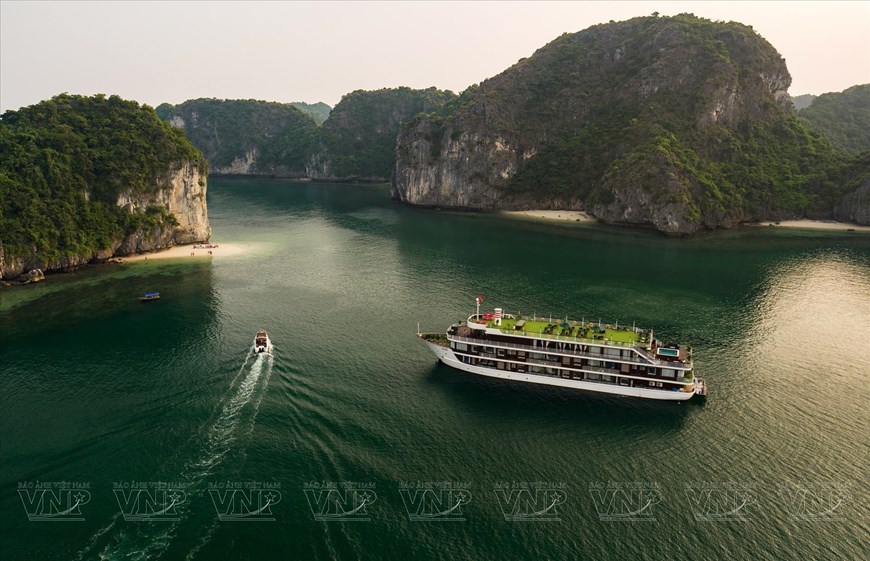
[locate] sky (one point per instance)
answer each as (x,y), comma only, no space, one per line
(156,52)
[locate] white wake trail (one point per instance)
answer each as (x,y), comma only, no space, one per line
(217,443)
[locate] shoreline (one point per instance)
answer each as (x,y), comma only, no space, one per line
(582,216)
(806,224)
(186,251)
(559,215)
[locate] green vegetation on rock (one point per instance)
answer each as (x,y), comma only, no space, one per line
(318,111)
(843,118)
(246,136)
(803,101)
(676,122)
(65,162)
(358,140)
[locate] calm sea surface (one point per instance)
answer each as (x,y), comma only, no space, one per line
(148,431)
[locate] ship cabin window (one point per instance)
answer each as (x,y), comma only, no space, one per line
(521,354)
(500,352)
(593,363)
(475,349)
(652,384)
(488,350)
(460,346)
(593,376)
(669,373)
(606,378)
(612,352)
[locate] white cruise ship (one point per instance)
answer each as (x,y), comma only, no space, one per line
(584,355)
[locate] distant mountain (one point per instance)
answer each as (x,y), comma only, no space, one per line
(803,101)
(317,111)
(358,140)
(246,137)
(679,123)
(843,118)
(86,178)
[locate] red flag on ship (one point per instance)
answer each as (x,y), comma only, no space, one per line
(479,300)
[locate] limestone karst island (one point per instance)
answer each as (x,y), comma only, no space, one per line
(680,124)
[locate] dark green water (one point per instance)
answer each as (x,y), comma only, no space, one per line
(352,419)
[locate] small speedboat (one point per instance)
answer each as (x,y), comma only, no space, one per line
(149,296)
(262,344)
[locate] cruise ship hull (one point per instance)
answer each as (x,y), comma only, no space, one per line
(448,357)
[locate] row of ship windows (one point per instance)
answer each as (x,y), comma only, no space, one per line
(566,348)
(590,376)
(663,372)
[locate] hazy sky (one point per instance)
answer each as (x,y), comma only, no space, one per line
(155,52)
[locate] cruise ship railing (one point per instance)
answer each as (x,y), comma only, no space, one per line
(563,339)
(645,361)
(570,339)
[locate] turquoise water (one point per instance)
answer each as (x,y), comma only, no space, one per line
(371,450)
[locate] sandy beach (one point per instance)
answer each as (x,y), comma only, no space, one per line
(816,225)
(581,216)
(564,215)
(187,252)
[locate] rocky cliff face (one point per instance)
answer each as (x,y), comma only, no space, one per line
(855,206)
(182,194)
(652,121)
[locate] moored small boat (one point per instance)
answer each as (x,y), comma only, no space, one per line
(262,344)
(149,296)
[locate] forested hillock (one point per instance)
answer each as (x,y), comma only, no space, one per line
(358,140)
(843,118)
(246,136)
(82,178)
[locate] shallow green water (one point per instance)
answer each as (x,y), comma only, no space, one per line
(371,450)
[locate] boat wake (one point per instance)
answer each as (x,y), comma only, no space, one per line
(235,416)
